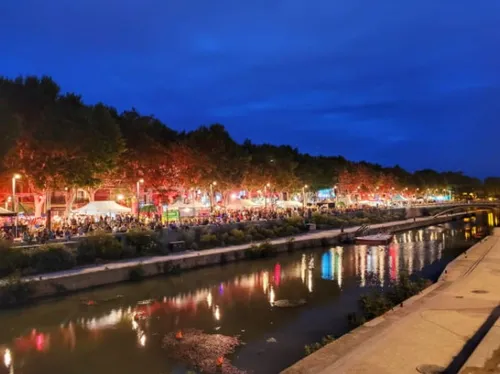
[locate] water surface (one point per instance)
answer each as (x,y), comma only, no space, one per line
(65,336)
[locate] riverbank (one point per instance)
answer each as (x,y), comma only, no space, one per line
(92,276)
(440,328)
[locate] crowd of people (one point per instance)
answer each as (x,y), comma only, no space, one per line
(36,231)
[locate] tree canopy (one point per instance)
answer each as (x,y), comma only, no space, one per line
(57,141)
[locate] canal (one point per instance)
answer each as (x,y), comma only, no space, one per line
(67,335)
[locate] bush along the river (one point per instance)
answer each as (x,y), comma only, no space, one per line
(263,250)
(210,236)
(310,348)
(217,236)
(16,291)
(136,274)
(358,218)
(379,302)
(141,243)
(90,250)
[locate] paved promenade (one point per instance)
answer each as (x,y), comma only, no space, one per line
(452,325)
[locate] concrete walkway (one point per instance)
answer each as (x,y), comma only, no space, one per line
(207,252)
(452,325)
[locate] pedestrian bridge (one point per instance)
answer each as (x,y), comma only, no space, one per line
(455,208)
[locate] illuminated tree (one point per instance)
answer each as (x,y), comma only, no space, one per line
(224,160)
(61,142)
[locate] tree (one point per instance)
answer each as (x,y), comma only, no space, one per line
(225,161)
(61,143)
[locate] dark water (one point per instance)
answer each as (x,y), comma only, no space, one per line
(64,336)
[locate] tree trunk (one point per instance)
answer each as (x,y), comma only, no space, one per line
(91,192)
(39,201)
(70,197)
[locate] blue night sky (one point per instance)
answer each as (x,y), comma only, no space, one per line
(410,82)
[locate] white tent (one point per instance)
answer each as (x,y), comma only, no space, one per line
(181,205)
(241,204)
(398,198)
(289,204)
(96,208)
(6,213)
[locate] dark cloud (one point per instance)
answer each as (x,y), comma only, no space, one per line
(413,83)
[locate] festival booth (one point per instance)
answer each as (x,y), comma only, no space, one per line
(102,208)
(179,209)
(239,204)
(288,204)
(398,200)
(372,203)
(344,201)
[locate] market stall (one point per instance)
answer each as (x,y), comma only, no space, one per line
(102,208)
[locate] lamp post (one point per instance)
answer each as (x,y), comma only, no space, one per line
(212,195)
(304,197)
(14,203)
(138,192)
(265,194)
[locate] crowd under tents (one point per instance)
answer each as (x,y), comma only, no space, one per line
(102,208)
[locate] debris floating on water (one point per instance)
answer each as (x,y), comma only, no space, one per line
(204,352)
(289,303)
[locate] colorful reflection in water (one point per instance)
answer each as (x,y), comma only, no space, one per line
(237,299)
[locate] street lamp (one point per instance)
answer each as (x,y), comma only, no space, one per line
(304,197)
(265,194)
(214,183)
(138,192)
(14,203)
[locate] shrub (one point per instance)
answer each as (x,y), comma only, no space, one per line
(354,320)
(224,238)
(359,214)
(12,259)
(297,222)
(144,242)
(136,273)
(52,257)
(263,250)
(188,237)
(15,291)
(170,269)
(98,246)
(265,233)
(310,348)
(208,241)
(267,249)
(374,305)
(236,236)
(378,303)
(291,230)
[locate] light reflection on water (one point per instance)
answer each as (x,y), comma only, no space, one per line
(234,299)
